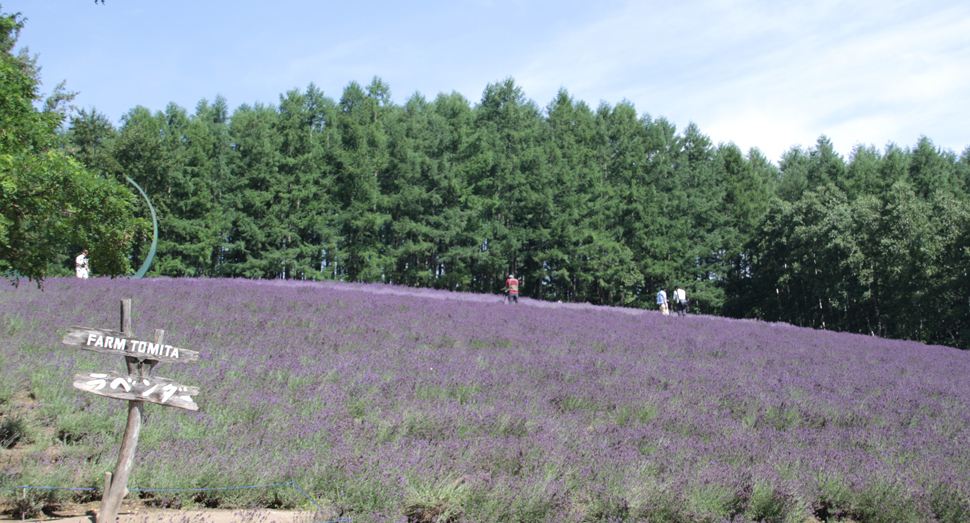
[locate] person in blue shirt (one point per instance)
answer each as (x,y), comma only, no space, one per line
(662,301)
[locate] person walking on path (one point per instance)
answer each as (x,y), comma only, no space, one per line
(512,286)
(680,298)
(81,265)
(662,301)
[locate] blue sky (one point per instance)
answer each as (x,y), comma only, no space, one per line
(762,73)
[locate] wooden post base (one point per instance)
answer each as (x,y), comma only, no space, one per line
(117,488)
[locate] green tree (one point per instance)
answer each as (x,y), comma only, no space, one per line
(307,207)
(360,161)
(931,169)
(893,168)
(48,201)
(91,141)
(174,158)
(748,183)
(255,195)
(704,260)
(432,231)
(948,303)
(203,216)
(508,175)
(139,152)
(454,221)
(953,288)
(825,165)
(862,172)
(793,179)
(576,152)
(963,169)
(622,206)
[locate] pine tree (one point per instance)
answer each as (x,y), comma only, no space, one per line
(507,174)
(207,159)
(90,140)
(360,161)
(254,196)
(455,219)
(931,169)
(307,201)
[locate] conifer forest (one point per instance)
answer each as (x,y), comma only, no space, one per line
(600,204)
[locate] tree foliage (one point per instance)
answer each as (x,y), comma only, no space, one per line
(48,201)
(851,253)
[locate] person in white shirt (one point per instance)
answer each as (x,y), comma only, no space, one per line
(680,298)
(81,265)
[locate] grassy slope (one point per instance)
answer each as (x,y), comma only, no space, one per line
(393,402)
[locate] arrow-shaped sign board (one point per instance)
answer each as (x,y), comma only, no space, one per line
(115,342)
(136,388)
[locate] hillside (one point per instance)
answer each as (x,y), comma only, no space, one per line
(394,403)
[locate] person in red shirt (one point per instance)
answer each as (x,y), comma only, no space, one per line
(512,286)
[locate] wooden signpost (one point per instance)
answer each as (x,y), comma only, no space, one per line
(137,387)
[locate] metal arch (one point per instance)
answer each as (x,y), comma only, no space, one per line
(151,253)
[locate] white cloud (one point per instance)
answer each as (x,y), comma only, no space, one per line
(774,75)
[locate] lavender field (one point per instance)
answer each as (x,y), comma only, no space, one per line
(413,405)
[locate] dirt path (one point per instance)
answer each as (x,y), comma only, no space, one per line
(199,516)
(138,513)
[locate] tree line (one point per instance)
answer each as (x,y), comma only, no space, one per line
(584,204)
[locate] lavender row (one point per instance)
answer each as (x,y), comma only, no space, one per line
(387,401)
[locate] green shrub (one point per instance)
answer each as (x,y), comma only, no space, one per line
(14,430)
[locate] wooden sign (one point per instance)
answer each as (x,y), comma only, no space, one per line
(138,388)
(115,342)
